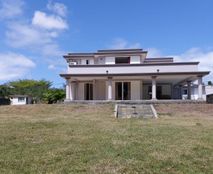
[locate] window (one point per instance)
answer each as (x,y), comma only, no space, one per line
(21,99)
(87,62)
(185,92)
(121,60)
(122,90)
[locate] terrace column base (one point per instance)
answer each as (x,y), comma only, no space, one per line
(67,100)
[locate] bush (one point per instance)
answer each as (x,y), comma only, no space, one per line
(54,95)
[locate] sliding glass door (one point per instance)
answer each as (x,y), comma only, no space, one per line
(122,90)
(88,91)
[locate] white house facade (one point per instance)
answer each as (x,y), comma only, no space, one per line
(20,99)
(127,74)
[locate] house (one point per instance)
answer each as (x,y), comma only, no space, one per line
(209,93)
(20,100)
(128,74)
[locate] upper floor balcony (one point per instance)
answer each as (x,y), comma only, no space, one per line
(134,68)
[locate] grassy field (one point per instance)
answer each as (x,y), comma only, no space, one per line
(88,139)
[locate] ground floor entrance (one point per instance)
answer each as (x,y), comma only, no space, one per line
(88,91)
(122,90)
(131,88)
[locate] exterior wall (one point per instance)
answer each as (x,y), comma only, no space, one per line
(109,60)
(80,91)
(135,60)
(100,90)
(131,69)
(209,89)
(194,93)
(101,61)
(166,91)
(91,61)
(177,92)
(138,91)
(15,101)
(146,95)
(135,90)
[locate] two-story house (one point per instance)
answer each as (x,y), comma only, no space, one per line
(127,74)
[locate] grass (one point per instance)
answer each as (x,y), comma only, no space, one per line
(88,139)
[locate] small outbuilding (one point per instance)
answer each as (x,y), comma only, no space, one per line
(20,100)
(209,98)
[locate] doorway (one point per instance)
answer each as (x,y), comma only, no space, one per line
(88,91)
(122,91)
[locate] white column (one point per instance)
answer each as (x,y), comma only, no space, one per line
(189,90)
(67,90)
(200,88)
(141,90)
(94,89)
(109,88)
(154,88)
(72,91)
(76,90)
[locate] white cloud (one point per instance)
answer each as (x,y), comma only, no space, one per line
(51,67)
(24,35)
(153,52)
(49,22)
(57,8)
(120,43)
(52,50)
(11,8)
(14,65)
(196,54)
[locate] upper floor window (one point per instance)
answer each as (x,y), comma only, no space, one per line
(120,60)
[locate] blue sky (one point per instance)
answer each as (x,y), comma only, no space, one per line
(35,34)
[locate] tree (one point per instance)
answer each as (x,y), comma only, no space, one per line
(54,95)
(33,88)
(5,91)
(210,83)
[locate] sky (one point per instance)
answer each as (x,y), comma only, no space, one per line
(35,34)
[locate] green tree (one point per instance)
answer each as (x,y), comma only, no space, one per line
(33,88)
(5,91)
(210,83)
(54,95)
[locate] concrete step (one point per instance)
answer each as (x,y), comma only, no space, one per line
(136,111)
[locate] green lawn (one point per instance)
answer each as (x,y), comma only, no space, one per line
(88,139)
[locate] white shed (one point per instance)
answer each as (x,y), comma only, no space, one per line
(20,99)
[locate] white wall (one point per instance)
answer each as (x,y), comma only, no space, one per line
(100,89)
(14,101)
(209,89)
(166,90)
(109,60)
(91,61)
(131,69)
(135,90)
(194,93)
(101,60)
(80,91)
(135,60)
